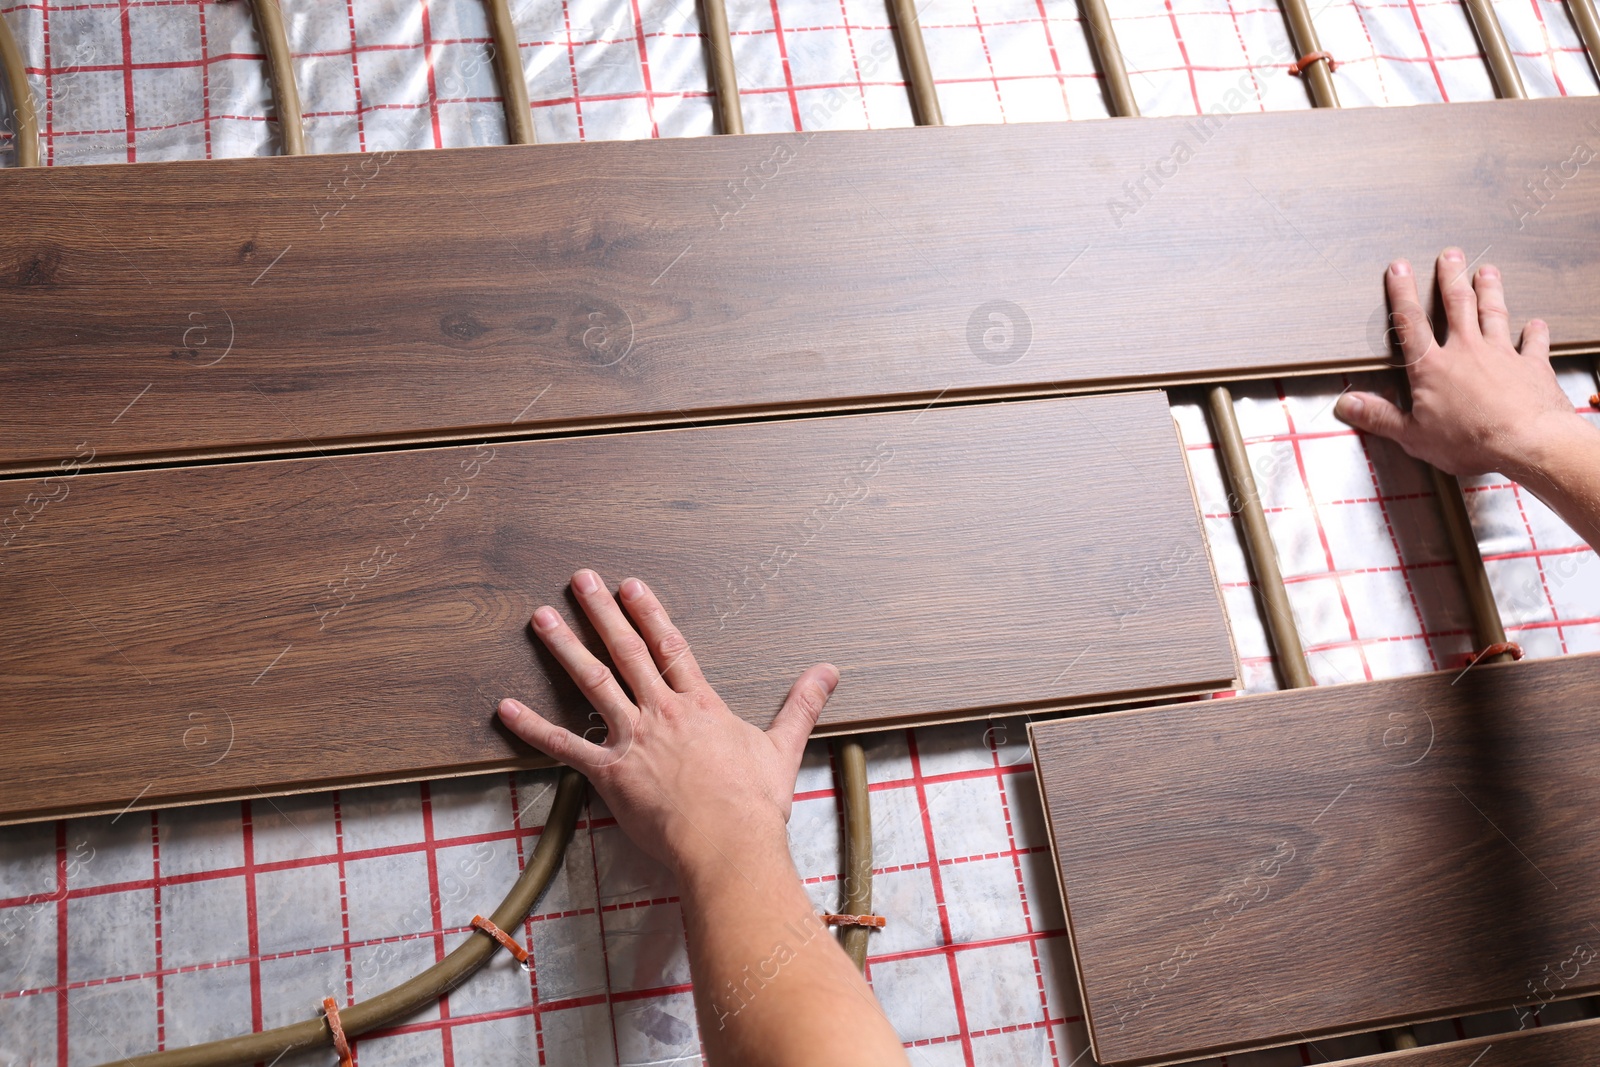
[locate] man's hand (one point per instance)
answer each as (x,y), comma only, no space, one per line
(687,780)
(1477,403)
(708,794)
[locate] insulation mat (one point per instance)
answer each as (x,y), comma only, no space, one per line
(121,934)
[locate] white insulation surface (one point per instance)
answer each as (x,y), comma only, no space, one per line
(121,934)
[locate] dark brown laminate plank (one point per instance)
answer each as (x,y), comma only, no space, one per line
(1252,872)
(1575,1044)
(268,303)
(169,634)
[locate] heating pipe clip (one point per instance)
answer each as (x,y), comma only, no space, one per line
(1311,57)
(877,922)
(483,925)
(1494,650)
(330,1008)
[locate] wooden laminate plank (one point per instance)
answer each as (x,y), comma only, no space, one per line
(1251,872)
(1575,1044)
(212,630)
(200,307)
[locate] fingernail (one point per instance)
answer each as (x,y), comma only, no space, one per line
(1453,255)
(1349,406)
(510,710)
(1400,268)
(545,619)
(632,589)
(586,581)
(1489,271)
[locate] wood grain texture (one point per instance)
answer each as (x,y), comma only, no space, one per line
(1575,1044)
(213,630)
(1251,872)
(268,303)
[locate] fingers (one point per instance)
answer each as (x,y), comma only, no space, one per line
(1401,283)
(1373,414)
(795,720)
(1536,340)
(1493,317)
(592,676)
(667,644)
(552,740)
(627,648)
(1455,289)
(1410,322)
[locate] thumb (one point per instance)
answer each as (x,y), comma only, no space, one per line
(1373,414)
(807,697)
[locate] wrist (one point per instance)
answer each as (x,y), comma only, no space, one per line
(752,852)
(1547,447)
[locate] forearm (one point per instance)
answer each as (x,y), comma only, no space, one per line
(1564,472)
(772,986)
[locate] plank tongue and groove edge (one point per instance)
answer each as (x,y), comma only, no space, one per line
(211,307)
(1271,869)
(1575,1044)
(210,631)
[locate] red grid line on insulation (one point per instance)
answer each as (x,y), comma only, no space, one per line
(1306,506)
(982,23)
(997,773)
(939,899)
(271,866)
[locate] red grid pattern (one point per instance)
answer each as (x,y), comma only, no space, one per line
(1365,557)
(257,909)
(416,73)
(114,866)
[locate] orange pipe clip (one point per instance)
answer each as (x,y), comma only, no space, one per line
(483,925)
(330,1008)
(1494,650)
(1311,57)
